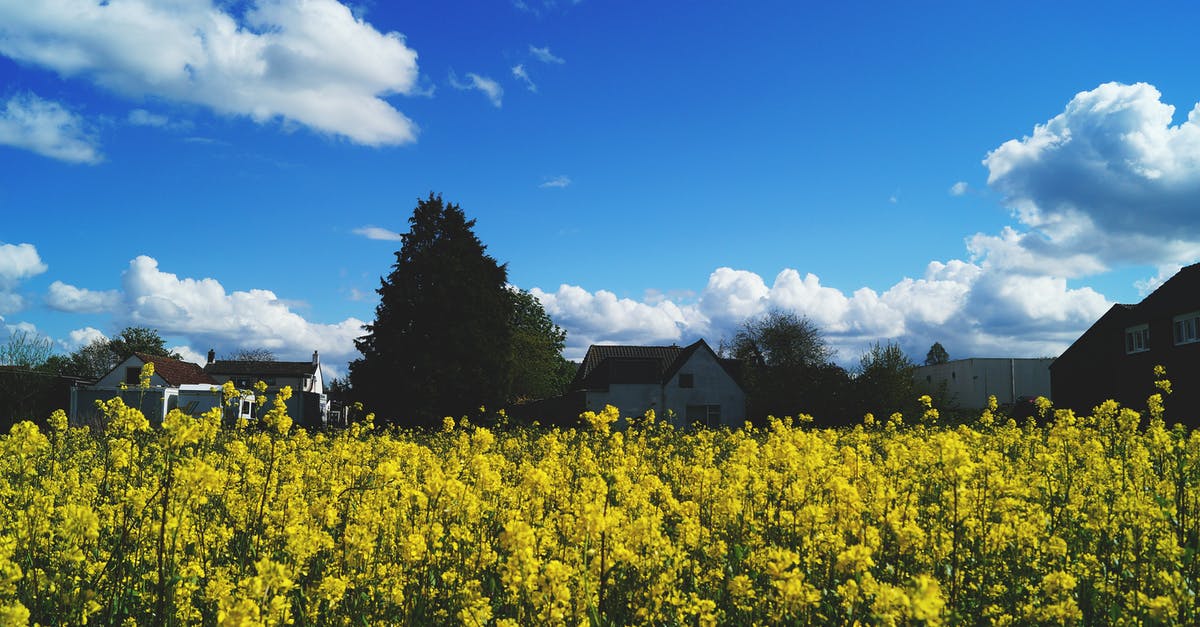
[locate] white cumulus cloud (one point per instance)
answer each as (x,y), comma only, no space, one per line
(1109,181)
(72,299)
(202,311)
(973,310)
(82,337)
(959,189)
(18,262)
(205,315)
(602,317)
(558,181)
(312,62)
(46,128)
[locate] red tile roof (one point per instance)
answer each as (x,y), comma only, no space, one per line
(176,372)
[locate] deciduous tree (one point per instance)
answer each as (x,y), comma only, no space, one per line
(884,382)
(786,369)
(96,358)
(538,367)
(252,354)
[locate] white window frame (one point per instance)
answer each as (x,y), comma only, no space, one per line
(1186,328)
(1137,339)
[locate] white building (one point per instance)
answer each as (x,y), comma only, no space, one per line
(162,395)
(691,383)
(969,382)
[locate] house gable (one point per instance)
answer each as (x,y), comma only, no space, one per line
(692,383)
(167,372)
(1116,356)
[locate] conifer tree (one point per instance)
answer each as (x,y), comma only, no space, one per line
(441,342)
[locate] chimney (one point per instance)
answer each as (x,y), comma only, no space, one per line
(316,360)
(212,355)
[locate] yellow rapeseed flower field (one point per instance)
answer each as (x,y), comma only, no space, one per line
(1070,519)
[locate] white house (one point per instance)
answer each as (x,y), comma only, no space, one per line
(309,405)
(170,376)
(691,383)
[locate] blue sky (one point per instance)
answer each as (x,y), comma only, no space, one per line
(990,177)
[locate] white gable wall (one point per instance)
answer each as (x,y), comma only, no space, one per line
(712,386)
(117,376)
(633,399)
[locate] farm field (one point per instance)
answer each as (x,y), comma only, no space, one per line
(896,521)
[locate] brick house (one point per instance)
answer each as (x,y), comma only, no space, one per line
(1115,358)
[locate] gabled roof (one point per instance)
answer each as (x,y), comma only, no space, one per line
(604,364)
(661,358)
(262,368)
(174,371)
(1187,277)
(1156,303)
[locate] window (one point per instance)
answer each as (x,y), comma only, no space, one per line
(687,380)
(133,376)
(1186,327)
(1137,339)
(704,415)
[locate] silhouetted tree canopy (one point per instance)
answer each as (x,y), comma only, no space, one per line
(441,341)
(786,369)
(937,355)
(252,354)
(884,382)
(780,339)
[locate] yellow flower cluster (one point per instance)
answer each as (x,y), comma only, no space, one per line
(1091,520)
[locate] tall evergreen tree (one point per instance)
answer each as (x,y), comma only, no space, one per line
(937,355)
(441,342)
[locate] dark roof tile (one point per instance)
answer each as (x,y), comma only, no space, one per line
(261,368)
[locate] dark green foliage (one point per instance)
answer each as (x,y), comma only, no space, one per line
(780,338)
(538,368)
(98,357)
(90,361)
(441,343)
(140,340)
(884,382)
(937,355)
(786,369)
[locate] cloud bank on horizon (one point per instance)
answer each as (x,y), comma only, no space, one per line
(1099,185)
(1107,182)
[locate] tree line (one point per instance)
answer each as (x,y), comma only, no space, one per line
(451,336)
(787,368)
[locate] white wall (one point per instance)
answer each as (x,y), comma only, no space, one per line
(633,399)
(970,381)
(117,376)
(712,386)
